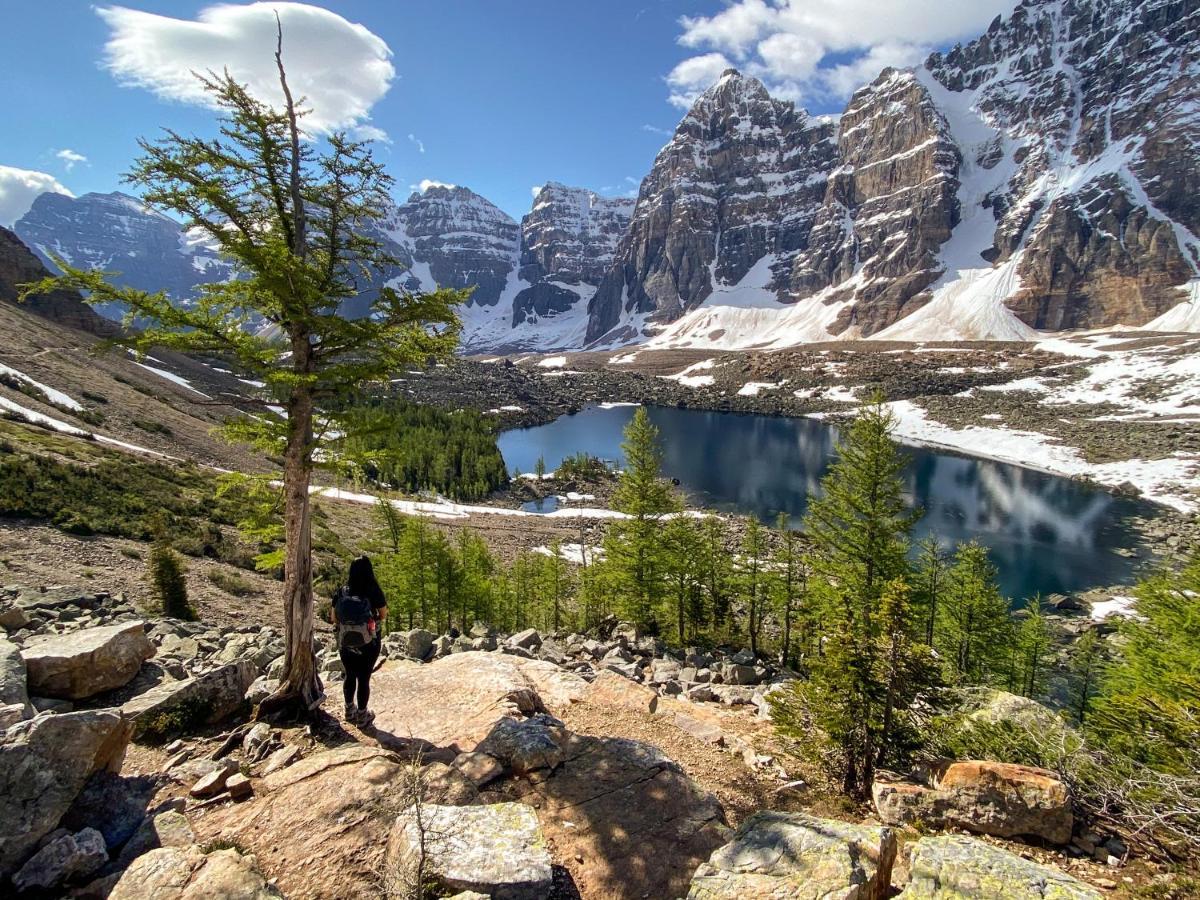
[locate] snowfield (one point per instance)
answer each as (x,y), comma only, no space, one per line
(1159,382)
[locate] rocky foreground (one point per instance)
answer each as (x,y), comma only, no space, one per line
(128,768)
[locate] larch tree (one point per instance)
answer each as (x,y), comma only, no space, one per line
(633,548)
(293,214)
(858,531)
(791,588)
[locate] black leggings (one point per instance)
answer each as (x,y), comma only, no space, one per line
(359,664)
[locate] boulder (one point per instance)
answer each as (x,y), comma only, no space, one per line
(204,699)
(187,873)
(957,867)
(529,639)
(708,732)
(214,782)
(800,857)
(239,786)
(44,764)
(114,805)
(994,707)
(166,829)
(497,850)
(281,759)
(1000,799)
(69,857)
(736,673)
(612,689)
(14,695)
(87,662)
(415,643)
(525,745)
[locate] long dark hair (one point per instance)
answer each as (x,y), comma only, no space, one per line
(361,581)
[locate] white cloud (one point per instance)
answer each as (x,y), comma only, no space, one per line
(416,142)
(19,188)
(535,190)
(70,158)
(340,68)
(693,75)
(822,49)
(654,129)
(426,183)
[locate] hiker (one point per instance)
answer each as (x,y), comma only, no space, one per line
(359,608)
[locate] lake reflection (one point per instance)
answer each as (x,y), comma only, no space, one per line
(1046,534)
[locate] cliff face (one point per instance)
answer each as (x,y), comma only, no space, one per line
(19,266)
(1044,176)
(742,178)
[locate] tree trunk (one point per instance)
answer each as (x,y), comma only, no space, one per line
(299,686)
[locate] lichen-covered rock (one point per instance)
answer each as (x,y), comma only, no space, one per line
(187,873)
(956,867)
(799,857)
(198,700)
(525,745)
(44,764)
(1000,799)
(498,850)
(84,663)
(69,857)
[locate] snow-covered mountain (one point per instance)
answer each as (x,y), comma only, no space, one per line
(1044,176)
(118,233)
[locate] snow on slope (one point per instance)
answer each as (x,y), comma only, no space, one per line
(54,396)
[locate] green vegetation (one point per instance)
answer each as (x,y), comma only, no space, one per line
(105,492)
(166,573)
(420,448)
(233,584)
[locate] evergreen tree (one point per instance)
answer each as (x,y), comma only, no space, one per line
(976,634)
(791,588)
(681,552)
(859,534)
(539,468)
(633,547)
(1149,705)
(1085,672)
(291,214)
(929,582)
(1032,646)
(716,569)
(168,582)
(752,580)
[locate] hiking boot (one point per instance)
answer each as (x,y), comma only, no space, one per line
(365,718)
(351,712)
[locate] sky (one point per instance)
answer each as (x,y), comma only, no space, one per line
(496,95)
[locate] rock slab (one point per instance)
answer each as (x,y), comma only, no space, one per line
(956,867)
(187,873)
(498,850)
(1000,799)
(800,857)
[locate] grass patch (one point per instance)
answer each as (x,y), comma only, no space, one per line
(234,583)
(152,427)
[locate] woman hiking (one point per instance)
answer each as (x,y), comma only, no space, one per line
(359,608)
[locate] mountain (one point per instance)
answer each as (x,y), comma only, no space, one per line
(736,188)
(118,233)
(1043,176)
(19,266)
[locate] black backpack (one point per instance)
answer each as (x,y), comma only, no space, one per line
(355,620)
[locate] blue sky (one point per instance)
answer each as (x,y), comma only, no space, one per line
(498,95)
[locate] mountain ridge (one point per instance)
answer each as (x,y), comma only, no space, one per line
(1042,177)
